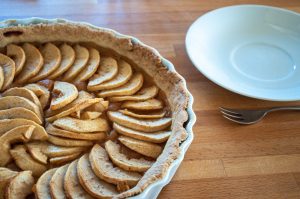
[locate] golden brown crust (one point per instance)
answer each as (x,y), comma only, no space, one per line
(170,82)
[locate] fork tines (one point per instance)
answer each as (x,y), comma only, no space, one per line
(231,115)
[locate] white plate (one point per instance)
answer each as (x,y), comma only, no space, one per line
(252,50)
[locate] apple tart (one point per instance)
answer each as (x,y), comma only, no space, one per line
(84,113)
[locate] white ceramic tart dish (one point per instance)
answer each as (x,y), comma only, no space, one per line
(89,92)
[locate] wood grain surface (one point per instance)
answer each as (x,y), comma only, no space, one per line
(225,160)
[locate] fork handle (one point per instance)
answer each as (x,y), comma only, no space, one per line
(282,108)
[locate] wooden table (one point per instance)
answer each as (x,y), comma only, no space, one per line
(225,160)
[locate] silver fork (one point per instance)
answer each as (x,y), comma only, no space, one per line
(251,116)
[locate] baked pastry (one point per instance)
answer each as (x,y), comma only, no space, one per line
(85,112)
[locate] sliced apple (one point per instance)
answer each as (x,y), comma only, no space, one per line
(6,173)
(45,100)
(81,102)
(91,183)
(52,59)
(91,66)
(156,137)
(144,94)
(122,161)
(41,92)
(131,87)
(24,92)
(9,68)
(5,177)
(18,134)
(37,151)
(145,148)
(25,162)
(105,169)
(98,107)
(50,150)
(17,54)
(36,88)
(122,77)
(89,115)
(149,125)
(39,132)
(33,63)
(57,161)
(52,130)
(47,83)
(82,126)
(61,141)
(20,113)
(82,97)
(76,114)
(151,104)
(155,115)
(16,101)
(72,187)
(67,59)
(59,151)
(42,187)
(78,107)
(57,183)
(81,59)
(20,186)
(63,93)
(1,77)
(107,69)
(41,151)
